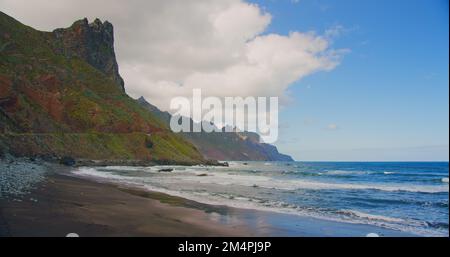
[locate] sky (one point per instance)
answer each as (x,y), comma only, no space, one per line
(357,80)
(388,98)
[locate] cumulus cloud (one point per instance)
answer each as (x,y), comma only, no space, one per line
(167,48)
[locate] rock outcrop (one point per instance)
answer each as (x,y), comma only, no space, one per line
(93,43)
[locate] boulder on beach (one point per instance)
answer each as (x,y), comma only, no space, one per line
(223,164)
(67,161)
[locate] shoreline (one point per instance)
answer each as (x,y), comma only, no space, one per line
(82,162)
(63,204)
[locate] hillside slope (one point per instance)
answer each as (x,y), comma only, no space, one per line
(61,94)
(233,146)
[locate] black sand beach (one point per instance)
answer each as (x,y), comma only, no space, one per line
(63,204)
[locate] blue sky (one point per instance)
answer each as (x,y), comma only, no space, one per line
(388,99)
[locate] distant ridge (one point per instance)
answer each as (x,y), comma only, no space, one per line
(234,146)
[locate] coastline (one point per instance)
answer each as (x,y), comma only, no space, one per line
(63,204)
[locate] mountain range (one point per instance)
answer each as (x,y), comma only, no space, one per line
(236,145)
(61,94)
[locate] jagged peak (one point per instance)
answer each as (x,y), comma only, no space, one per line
(82,22)
(142,99)
(97,23)
(92,42)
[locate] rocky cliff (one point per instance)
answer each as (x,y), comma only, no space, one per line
(61,94)
(93,43)
(232,146)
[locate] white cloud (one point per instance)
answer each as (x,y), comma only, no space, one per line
(167,48)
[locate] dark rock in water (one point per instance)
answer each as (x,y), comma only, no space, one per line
(245,163)
(223,164)
(165,170)
(202,175)
(67,161)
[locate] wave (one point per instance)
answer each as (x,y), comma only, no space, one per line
(254,202)
(346,172)
(348,216)
(122,168)
(399,201)
(444,180)
(372,217)
(249,180)
(410,174)
(226,179)
(438,225)
(93,172)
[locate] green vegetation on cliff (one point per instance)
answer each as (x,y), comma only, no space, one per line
(61,94)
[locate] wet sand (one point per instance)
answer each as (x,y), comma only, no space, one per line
(64,204)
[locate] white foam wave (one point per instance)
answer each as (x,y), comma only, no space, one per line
(105,175)
(237,201)
(247,180)
(348,216)
(362,215)
(222,178)
(123,168)
(345,172)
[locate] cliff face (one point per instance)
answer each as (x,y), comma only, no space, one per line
(93,43)
(61,94)
(233,146)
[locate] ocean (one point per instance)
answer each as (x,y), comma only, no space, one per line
(404,196)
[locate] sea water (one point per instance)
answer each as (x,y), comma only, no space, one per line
(404,196)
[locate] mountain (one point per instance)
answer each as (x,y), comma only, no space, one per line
(61,94)
(232,146)
(93,43)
